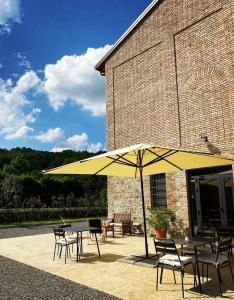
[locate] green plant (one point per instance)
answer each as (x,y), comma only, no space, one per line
(160,218)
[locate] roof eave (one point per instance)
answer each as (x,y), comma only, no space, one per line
(100,66)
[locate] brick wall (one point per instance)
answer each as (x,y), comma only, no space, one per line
(169,82)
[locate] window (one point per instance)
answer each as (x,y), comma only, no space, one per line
(158,190)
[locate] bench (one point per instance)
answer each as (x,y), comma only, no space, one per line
(123,221)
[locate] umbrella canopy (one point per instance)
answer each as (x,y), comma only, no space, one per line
(140,160)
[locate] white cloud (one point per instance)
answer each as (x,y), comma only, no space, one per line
(78,143)
(1,65)
(23,61)
(59,149)
(21,132)
(9,13)
(74,79)
(16,108)
(51,135)
(95,147)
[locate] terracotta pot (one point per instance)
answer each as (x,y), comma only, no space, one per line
(160,234)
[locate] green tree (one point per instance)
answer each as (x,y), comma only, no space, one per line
(18,165)
(10,192)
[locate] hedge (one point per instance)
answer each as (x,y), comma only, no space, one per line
(37,214)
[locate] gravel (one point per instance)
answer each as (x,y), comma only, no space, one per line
(22,282)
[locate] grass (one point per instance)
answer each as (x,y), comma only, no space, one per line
(43,222)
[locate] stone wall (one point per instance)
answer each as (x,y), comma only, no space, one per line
(124,195)
(169,82)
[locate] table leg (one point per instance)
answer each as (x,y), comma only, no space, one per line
(198,271)
(77,247)
(97,245)
(81,243)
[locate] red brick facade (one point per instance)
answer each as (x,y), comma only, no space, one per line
(169,82)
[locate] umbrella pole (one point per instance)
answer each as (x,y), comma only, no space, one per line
(143,208)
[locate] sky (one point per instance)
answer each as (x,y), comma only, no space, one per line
(51,97)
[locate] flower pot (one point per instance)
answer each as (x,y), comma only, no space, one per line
(160,234)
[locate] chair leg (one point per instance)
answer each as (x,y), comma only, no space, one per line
(60,253)
(161,276)
(54,250)
(182,282)
(174,276)
(230,266)
(202,272)
(194,276)
(207,267)
(157,279)
(220,280)
(66,254)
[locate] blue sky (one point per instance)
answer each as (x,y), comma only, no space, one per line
(51,98)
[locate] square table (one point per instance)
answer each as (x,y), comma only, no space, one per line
(194,243)
(79,230)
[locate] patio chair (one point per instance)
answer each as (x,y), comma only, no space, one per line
(98,224)
(218,260)
(126,227)
(224,233)
(171,260)
(202,233)
(62,241)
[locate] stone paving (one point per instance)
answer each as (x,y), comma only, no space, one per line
(108,273)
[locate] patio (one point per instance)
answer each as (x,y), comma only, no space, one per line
(108,273)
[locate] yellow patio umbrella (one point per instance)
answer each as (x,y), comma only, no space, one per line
(140,160)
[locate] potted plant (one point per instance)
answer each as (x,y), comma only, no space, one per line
(160,219)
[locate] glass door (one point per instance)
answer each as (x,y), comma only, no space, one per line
(212,200)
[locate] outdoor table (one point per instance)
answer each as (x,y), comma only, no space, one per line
(79,230)
(194,243)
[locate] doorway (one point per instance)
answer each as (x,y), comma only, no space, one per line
(212,199)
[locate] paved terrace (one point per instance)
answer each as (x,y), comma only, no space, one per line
(106,274)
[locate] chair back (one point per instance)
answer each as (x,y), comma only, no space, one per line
(58,233)
(206,232)
(95,223)
(223,233)
(126,223)
(225,245)
(165,246)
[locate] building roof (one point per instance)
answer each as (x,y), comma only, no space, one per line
(100,66)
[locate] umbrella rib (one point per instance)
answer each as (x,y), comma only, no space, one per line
(130,163)
(160,156)
(122,162)
(113,161)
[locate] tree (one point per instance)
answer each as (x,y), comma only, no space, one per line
(17,166)
(10,192)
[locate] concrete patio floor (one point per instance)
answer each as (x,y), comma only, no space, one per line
(108,273)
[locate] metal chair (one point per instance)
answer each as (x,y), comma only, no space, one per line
(62,241)
(171,260)
(224,233)
(98,224)
(218,260)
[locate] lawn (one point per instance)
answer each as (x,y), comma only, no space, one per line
(44,222)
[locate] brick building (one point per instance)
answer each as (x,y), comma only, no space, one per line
(170,81)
